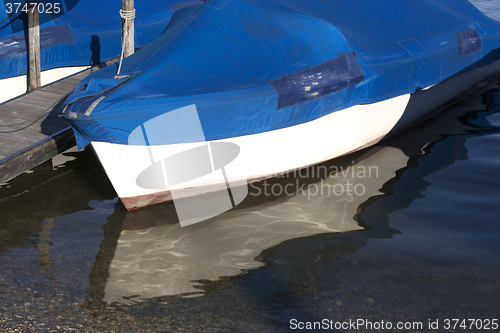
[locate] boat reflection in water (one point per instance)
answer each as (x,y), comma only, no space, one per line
(155,256)
(146,254)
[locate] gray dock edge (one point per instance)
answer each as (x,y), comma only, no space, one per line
(45,149)
(28,158)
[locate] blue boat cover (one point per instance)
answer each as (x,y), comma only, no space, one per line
(76,33)
(251,66)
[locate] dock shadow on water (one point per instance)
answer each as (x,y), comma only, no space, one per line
(405,231)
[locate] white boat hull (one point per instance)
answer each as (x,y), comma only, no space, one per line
(273,153)
(261,155)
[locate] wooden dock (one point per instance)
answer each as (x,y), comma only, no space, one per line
(31,131)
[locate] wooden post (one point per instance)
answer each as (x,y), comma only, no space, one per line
(128,15)
(34,81)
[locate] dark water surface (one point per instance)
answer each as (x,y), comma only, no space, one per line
(418,242)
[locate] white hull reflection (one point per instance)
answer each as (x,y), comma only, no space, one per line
(167,259)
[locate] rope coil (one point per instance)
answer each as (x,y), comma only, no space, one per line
(127,14)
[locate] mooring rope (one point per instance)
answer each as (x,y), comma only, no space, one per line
(32,120)
(126,15)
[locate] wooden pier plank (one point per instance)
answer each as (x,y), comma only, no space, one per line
(38,133)
(36,154)
(23,147)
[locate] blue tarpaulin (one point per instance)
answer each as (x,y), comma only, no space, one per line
(251,66)
(76,33)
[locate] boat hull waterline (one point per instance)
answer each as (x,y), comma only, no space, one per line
(215,103)
(275,153)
